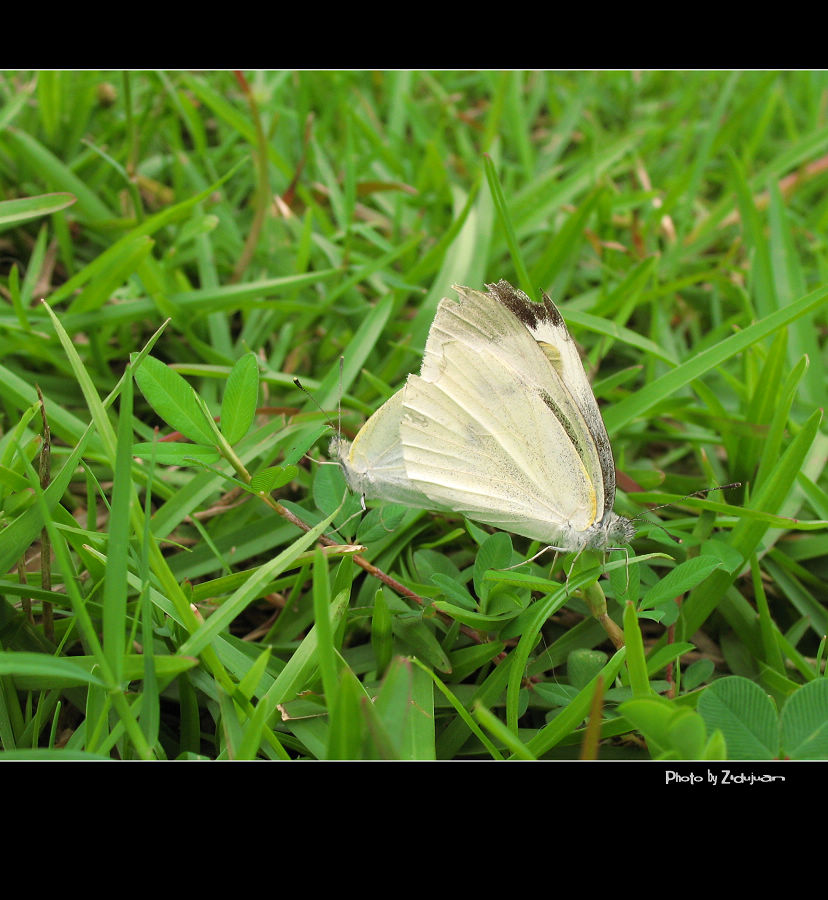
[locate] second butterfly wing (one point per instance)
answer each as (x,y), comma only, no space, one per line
(482,431)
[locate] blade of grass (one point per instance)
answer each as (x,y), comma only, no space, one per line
(115,582)
(637,404)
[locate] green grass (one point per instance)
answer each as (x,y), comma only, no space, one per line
(180,575)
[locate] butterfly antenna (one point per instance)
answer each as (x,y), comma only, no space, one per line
(672,537)
(700,493)
(330,424)
(339,399)
(315,402)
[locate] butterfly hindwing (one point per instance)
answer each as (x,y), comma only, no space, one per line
(373,463)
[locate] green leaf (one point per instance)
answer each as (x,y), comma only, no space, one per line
(381,633)
(658,659)
(37,679)
(356,353)
(418,637)
(273,478)
(27,149)
(746,716)
(687,734)
(405,707)
(494,553)
(40,665)
(467,660)
(175,453)
(12,212)
(379,523)
(716,748)
(636,663)
(683,577)
(325,648)
(347,724)
(420,725)
(393,702)
(498,729)
(474,619)
(25,528)
(804,722)
(174,400)
(293,678)
(241,394)
(329,488)
(250,684)
(697,673)
(583,665)
(652,716)
(671,731)
(115,578)
(230,724)
(454,591)
(762,286)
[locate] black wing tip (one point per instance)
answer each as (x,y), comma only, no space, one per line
(524,308)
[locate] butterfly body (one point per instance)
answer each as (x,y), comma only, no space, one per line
(501,425)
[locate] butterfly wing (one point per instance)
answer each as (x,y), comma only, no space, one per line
(373,464)
(475,441)
(531,339)
(546,325)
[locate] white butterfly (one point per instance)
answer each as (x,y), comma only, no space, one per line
(500,425)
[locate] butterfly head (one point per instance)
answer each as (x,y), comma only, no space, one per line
(607,534)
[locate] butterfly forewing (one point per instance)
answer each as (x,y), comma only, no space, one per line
(546,325)
(466,446)
(509,325)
